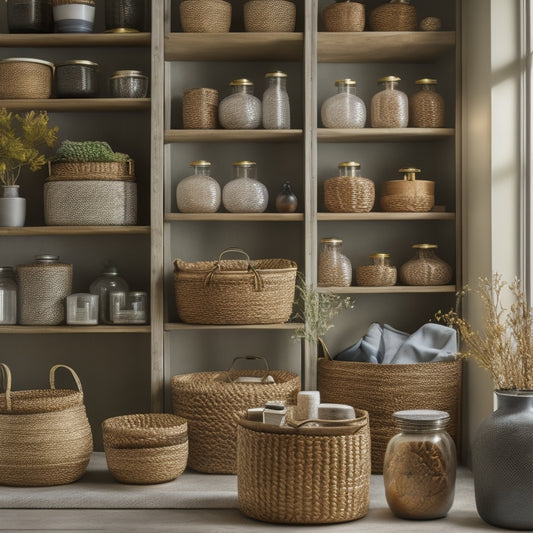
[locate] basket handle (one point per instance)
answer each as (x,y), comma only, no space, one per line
(249,358)
(6,373)
(352,422)
(325,350)
(74,375)
(258,281)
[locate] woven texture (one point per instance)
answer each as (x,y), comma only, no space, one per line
(229,292)
(425,271)
(348,194)
(65,2)
(205,16)
(393,17)
(305,475)
(383,389)
(90,203)
(269,15)
(408,196)
(212,407)
(344,16)
(375,275)
(24,79)
(200,108)
(104,171)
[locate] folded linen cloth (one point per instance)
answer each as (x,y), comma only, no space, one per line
(383,344)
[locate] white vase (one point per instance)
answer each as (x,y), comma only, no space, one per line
(12,207)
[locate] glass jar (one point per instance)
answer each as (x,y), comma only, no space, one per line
(241,110)
(276,108)
(344,109)
(389,106)
(334,268)
(425,268)
(245,193)
(379,273)
(198,193)
(420,466)
(29,16)
(76,78)
(128,307)
(125,15)
(8,296)
(82,309)
(108,281)
(426,106)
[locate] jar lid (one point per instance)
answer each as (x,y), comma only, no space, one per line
(122,30)
(426,81)
(137,293)
(127,74)
(349,164)
(7,269)
(276,74)
(409,170)
(111,270)
(46,258)
(345,81)
(200,163)
(331,240)
(241,81)
(84,62)
(379,255)
(424,246)
(389,78)
(244,164)
(422,419)
(399,1)
(27,60)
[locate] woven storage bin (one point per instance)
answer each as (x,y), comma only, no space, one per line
(212,406)
(22,77)
(91,170)
(200,108)
(344,16)
(408,196)
(305,475)
(349,194)
(383,389)
(90,203)
(376,275)
(394,16)
(269,16)
(205,16)
(235,291)
(45,437)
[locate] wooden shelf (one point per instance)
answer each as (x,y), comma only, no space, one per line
(234,46)
(74,230)
(193,136)
(175,326)
(384,47)
(329,217)
(39,330)
(235,217)
(334,135)
(396,289)
(67,40)
(77,104)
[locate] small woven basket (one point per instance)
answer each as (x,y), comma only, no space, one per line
(349,194)
(397,16)
(25,78)
(344,16)
(408,196)
(304,475)
(375,275)
(205,16)
(200,108)
(235,291)
(91,170)
(269,16)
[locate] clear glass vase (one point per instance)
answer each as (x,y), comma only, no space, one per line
(344,109)
(199,192)
(241,110)
(245,193)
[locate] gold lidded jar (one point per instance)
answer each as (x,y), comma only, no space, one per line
(241,110)
(425,268)
(420,465)
(344,15)
(76,78)
(395,15)
(128,84)
(426,106)
(389,106)
(344,109)
(276,107)
(245,193)
(408,194)
(379,273)
(199,192)
(334,268)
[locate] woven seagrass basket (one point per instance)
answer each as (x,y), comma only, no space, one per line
(344,16)
(398,15)
(205,16)
(349,194)
(91,170)
(383,389)
(408,196)
(375,275)
(235,291)
(269,16)
(45,437)
(200,108)
(304,475)
(213,402)
(22,77)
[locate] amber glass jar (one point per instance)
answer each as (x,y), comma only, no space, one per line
(389,106)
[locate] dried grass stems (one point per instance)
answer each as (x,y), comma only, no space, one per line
(504,347)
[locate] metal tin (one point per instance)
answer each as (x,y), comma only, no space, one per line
(125,14)
(29,16)
(76,78)
(128,84)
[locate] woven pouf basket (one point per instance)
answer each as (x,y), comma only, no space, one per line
(394,16)
(408,196)
(269,16)
(200,108)
(304,475)
(205,16)
(212,406)
(344,16)
(90,203)
(383,389)
(22,77)
(45,436)
(349,194)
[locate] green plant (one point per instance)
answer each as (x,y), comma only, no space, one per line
(21,139)
(89,151)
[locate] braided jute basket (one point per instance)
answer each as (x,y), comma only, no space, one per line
(91,170)
(269,16)
(383,389)
(349,194)
(45,437)
(397,16)
(344,16)
(304,475)
(235,291)
(205,16)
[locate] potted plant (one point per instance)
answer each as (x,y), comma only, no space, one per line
(21,139)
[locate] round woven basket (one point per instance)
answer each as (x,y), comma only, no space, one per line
(375,275)
(393,17)
(91,170)
(349,194)
(305,475)
(425,272)
(25,78)
(200,108)
(269,16)
(205,16)
(344,16)
(408,196)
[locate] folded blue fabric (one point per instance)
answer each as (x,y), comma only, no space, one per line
(386,345)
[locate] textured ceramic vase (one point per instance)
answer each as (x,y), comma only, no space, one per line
(502,462)
(12,207)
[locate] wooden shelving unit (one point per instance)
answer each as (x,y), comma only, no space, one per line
(235,217)
(331,135)
(396,289)
(192,327)
(62,330)
(74,230)
(374,215)
(181,136)
(75,40)
(81,105)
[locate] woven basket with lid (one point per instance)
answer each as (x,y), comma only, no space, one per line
(23,77)
(396,15)
(344,16)
(269,16)
(205,16)
(200,108)
(409,194)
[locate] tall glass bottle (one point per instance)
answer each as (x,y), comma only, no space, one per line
(390,106)
(276,108)
(108,281)
(245,193)
(344,109)
(8,296)
(198,193)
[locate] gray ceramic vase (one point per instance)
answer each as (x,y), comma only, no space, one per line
(12,207)
(502,462)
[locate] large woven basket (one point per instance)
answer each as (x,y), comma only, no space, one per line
(91,170)
(22,77)
(393,17)
(344,16)
(235,291)
(269,16)
(212,404)
(349,194)
(305,475)
(205,16)
(200,108)
(408,196)
(383,389)
(45,437)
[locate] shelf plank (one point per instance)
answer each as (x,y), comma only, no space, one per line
(77,104)
(74,230)
(396,289)
(437,215)
(176,326)
(193,136)
(235,217)
(384,47)
(335,135)
(234,46)
(47,330)
(67,40)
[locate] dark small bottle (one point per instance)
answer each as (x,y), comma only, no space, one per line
(286,201)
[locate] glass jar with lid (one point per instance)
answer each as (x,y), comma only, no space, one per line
(379,273)
(199,192)
(8,296)
(420,465)
(128,84)
(245,193)
(82,309)
(128,307)
(107,282)
(334,268)
(276,108)
(241,110)
(426,106)
(344,109)
(425,268)
(389,106)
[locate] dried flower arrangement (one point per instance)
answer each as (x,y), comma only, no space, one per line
(505,346)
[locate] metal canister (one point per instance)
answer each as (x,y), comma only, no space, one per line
(128,84)
(76,78)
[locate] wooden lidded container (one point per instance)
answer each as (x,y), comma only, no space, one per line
(409,194)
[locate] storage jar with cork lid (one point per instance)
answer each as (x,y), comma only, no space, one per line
(379,273)
(349,192)
(245,193)
(344,15)
(334,268)
(408,194)
(426,106)
(199,192)
(389,106)
(395,15)
(241,110)
(425,268)
(344,109)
